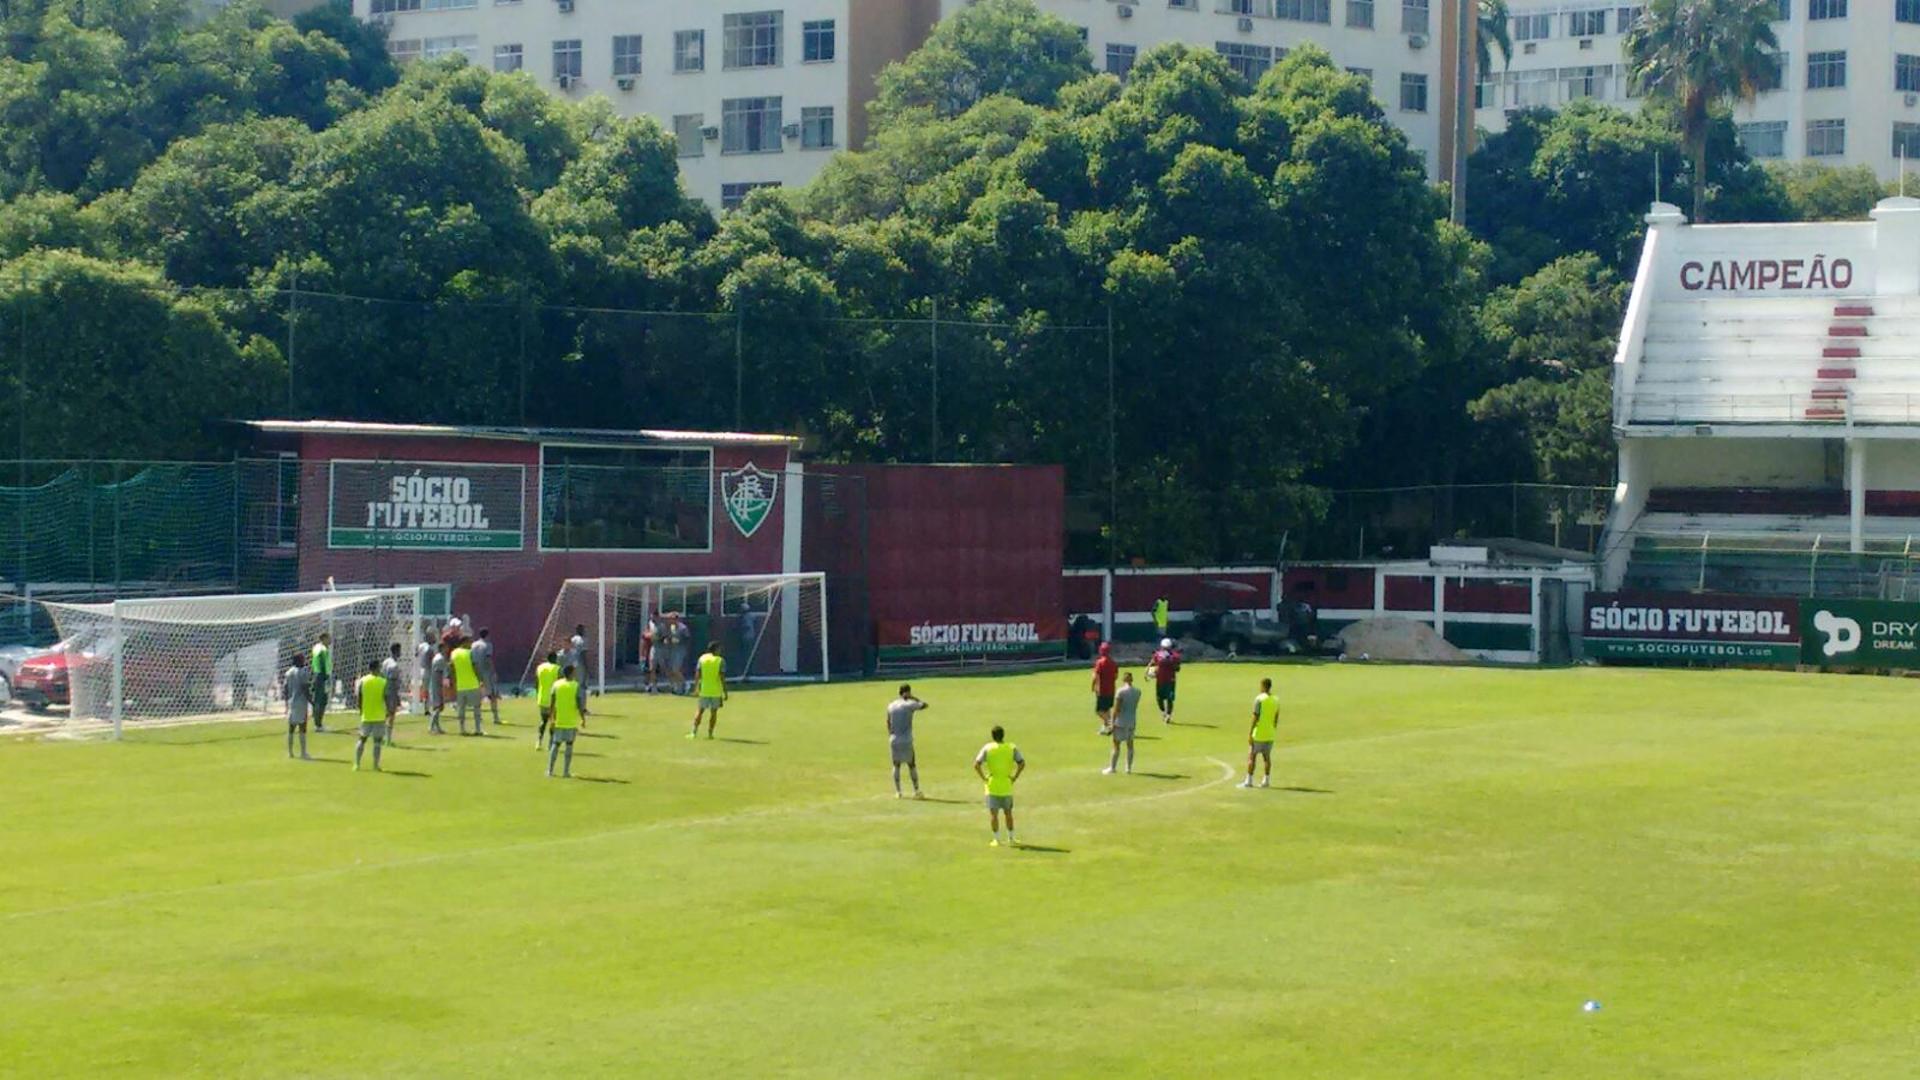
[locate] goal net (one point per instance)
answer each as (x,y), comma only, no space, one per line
(164,658)
(638,631)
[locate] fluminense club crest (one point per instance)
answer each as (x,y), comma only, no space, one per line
(748,494)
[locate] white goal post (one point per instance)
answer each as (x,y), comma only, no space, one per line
(177,657)
(769,626)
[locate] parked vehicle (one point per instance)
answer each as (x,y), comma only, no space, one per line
(1234,616)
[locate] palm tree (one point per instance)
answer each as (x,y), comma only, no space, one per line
(1493,31)
(1697,54)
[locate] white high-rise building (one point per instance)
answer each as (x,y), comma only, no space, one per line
(762,92)
(756,92)
(1405,47)
(1848,92)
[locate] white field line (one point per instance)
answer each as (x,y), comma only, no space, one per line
(1226,773)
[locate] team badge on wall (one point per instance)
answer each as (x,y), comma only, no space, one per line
(748,493)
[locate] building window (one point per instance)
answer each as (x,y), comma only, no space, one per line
(1906,141)
(1906,72)
(1237,7)
(1316,11)
(816,127)
(625,499)
(394,7)
(1532,27)
(1826,70)
(1906,11)
(1786,11)
(1413,92)
(626,54)
(467,45)
(1120,60)
(1774,77)
(689,50)
(1250,61)
(1826,9)
(508,58)
(732,195)
(751,40)
(404,52)
(750,125)
(818,44)
(566,59)
(1190,5)
(1586,23)
(1414,17)
(1765,139)
(1826,138)
(1360,14)
(1624,18)
(687,136)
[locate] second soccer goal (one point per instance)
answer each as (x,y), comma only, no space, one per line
(637,633)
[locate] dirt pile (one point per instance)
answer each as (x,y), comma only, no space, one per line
(1397,639)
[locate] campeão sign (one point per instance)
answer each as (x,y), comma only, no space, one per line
(425,505)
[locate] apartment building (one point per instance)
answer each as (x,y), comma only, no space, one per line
(1404,47)
(762,92)
(1847,91)
(756,94)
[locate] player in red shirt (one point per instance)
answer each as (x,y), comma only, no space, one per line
(1106,678)
(1165,667)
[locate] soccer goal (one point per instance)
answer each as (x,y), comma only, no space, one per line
(771,627)
(173,657)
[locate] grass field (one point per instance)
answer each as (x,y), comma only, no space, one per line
(1452,861)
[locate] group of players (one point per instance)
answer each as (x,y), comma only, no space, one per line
(461,669)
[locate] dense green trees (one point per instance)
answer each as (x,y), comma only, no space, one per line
(1254,284)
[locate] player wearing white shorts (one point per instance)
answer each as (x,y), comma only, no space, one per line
(1260,735)
(713,689)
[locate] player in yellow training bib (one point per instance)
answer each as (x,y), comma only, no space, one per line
(999,764)
(544,677)
(466,687)
(566,721)
(1266,719)
(711,677)
(371,692)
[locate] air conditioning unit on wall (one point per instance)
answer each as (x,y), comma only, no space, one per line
(1125,11)
(1246,25)
(1416,41)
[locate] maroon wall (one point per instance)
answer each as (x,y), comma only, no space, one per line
(964,546)
(512,591)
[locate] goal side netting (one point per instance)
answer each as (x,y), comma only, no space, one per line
(168,658)
(642,631)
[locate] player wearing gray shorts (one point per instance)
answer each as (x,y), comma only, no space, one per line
(437,689)
(900,738)
(489,678)
(1126,712)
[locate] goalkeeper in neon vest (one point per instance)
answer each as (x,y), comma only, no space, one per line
(371,693)
(321,665)
(711,675)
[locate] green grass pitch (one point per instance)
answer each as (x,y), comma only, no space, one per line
(1452,862)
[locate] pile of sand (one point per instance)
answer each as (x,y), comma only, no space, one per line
(1397,639)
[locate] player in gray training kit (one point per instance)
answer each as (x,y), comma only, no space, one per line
(391,669)
(295,685)
(1126,712)
(437,690)
(482,650)
(900,738)
(577,660)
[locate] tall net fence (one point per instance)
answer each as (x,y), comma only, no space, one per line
(161,658)
(647,632)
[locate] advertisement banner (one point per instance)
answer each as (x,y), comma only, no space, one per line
(1686,627)
(1860,633)
(425,506)
(972,639)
